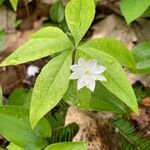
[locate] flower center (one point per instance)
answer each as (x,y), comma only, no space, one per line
(87,72)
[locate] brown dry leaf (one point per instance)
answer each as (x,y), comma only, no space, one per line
(5,21)
(47,1)
(146,102)
(16,39)
(88,129)
(143,120)
(112,5)
(141,27)
(115,27)
(144,79)
(11,78)
(94,129)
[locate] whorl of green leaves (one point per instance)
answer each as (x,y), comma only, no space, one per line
(53,81)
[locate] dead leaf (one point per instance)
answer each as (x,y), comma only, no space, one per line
(146,102)
(143,120)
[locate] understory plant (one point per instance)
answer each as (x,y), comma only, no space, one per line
(86,74)
(14,3)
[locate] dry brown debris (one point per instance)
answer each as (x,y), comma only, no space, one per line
(94,128)
(143,120)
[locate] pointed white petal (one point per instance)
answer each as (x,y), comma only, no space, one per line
(91,84)
(99,69)
(94,76)
(76,67)
(101,78)
(92,63)
(81,83)
(82,62)
(74,76)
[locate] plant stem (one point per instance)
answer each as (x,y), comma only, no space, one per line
(73,56)
(27,8)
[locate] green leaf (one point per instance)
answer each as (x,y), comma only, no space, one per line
(12,146)
(2,40)
(114,48)
(1,96)
(43,128)
(57,12)
(14,4)
(132,9)
(46,41)
(146,13)
(60,132)
(50,86)
(117,82)
(64,133)
(21,97)
(68,146)
(14,126)
(141,54)
(141,91)
(79,16)
(100,100)
(57,115)
(2,148)
(1,2)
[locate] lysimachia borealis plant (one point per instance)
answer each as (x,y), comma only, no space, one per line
(85,74)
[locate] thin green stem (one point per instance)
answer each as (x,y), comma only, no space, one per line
(73,55)
(27,8)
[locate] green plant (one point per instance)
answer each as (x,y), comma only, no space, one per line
(129,138)
(1,96)
(141,53)
(141,92)
(14,119)
(132,9)
(57,15)
(20,97)
(2,40)
(105,56)
(1,2)
(57,12)
(48,90)
(14,3)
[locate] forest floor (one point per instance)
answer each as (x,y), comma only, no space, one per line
(108,22)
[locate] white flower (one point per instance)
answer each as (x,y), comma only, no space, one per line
(32,70)
(87,72)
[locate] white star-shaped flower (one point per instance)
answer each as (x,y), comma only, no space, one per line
(87,72)
(32,70)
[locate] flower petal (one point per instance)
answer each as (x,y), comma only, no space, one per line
(99,69)
(74,76)
(101,78)
(81,83)
(76,67)
(82,62)
(32,70)
(92,63)
(87,72)
(91,84)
